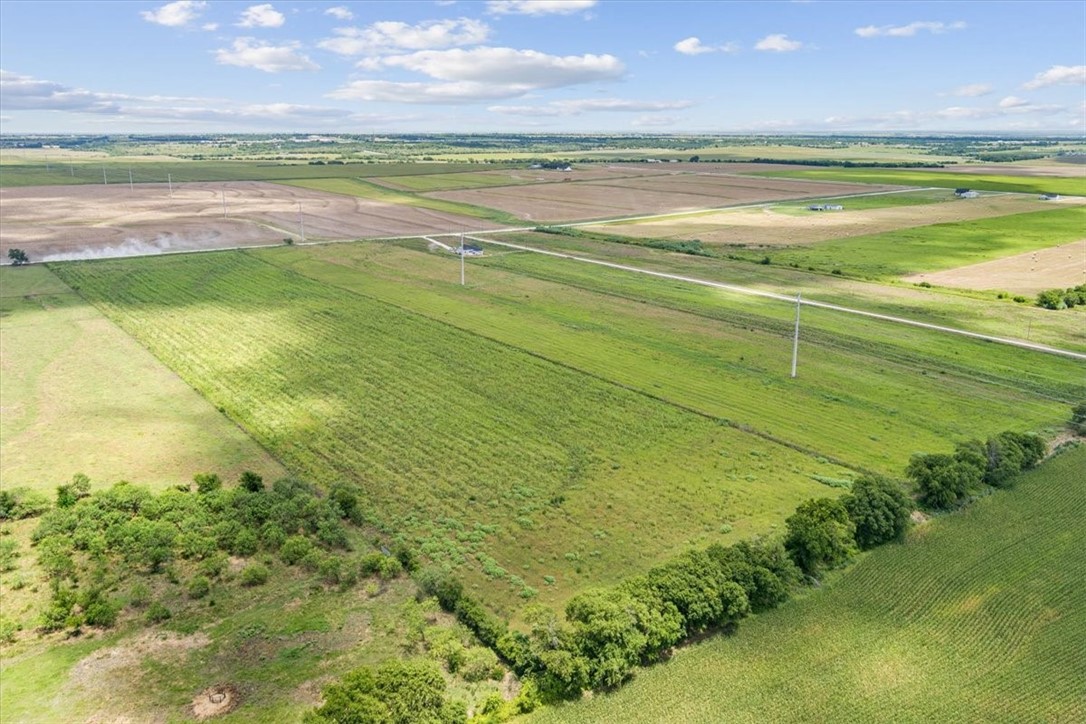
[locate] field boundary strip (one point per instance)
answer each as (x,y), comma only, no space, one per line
(1032,346)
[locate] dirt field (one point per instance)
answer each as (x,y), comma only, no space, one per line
(652,192)
(69,222)
(1059,266)
(764,227)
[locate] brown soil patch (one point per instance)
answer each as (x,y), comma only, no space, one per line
(652,192)
(1027,273)
(764,227)
(104,664)
(65,222)
(215,701)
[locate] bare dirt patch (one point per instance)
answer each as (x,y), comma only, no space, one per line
(765,227)
(1027,273)
(658,192)
(65,222)
(215,701)
(104,664)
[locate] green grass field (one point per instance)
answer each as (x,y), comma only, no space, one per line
(873,201)
(868,394)
(374,192)
(79,395)
(488,457)
(455,181)
(980,616)
(158,170)
(1070,186)
(936,247)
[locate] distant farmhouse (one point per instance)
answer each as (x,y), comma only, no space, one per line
(468,250)
(966,193)
(825,207)
(1050,197)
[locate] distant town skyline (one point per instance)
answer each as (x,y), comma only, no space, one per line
(537,66)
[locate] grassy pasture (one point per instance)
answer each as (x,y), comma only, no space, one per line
(871,201)
(452,181)
(374,192)
(19,172)
(936,247)
(491,458)
(973,311)
(980,616)
(81,396)
(944,179)
(867,394)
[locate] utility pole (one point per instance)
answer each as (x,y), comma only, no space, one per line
(105,181)
(169,180)
(461,258)
(301,221)
(130,187)
(71,166)
(795,338)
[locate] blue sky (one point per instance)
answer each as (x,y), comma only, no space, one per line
(195,66)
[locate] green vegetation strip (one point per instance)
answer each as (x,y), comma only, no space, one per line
(950,180)
(978,617)
(933,248)
(375,192)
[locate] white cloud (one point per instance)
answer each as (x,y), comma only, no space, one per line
(538,7)
(778,43)
(261,16)
(908,31)
(693,46)
(1013,102)
(973,90)
(251,53)
(1058,75)
(391,35)
(480,74)
(654,121)
(589,105)
(23,92)
(176,14)
(340,13)
(210,27)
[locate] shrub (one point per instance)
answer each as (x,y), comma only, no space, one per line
(207,482)
(480,664)
(8,629)
(254,575)
(1078,418)
(251,482)
(943,480)
(441,584)
(157,613)
(294,549)
(98,610)
(9,551)
(199,587)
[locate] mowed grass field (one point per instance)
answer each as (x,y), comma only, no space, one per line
(979,616)
(1073,185)
(935,247)
(79,395)
(532,478)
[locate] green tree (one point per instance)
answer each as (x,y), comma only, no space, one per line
(251,481)
(820,535)
(606,633)
(1078,418)
(399,692)
(942,480)
(207,482)
(879,509)
(18,257)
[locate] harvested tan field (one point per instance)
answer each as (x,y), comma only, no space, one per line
(1028,273)
(652,194)
(766,227)
(67,222)
(1040,168)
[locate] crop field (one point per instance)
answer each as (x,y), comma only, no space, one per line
(867,394)
(1027,273)
(979,616)
(530,476)
(72,222)
(982,312)
(79,395)
(1073,184)
(936,247)
(793,224)
(659,193)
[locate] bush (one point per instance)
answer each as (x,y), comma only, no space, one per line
(254,575)
(1078,418)
(398,691)
(207,482)
(98,610)
(943,480)
(294,549)
(9,551)
(157,613)
(480,664)
(199,587)
(441,584)
(251,482)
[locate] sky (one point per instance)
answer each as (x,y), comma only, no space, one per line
(537,66)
